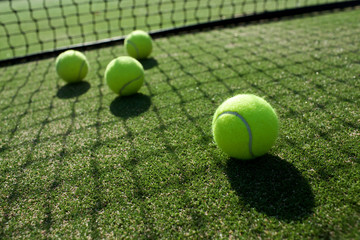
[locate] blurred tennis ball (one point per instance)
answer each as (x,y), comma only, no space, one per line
(138,44)
(124,75)
(245,126)
(72,66)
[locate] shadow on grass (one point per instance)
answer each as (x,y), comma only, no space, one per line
(72,90)
(272,186)
(149,63)
(4,148)
(130,106)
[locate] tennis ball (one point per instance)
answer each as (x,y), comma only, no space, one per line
(124,75)
(72,66)
(138,44)
(245,126)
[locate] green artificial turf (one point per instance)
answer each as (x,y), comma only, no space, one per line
(78,162)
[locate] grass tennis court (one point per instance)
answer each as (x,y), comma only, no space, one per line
(78,162)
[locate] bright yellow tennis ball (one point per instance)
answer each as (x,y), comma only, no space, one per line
(245,126)
(72,66)
(138,44)
(124,75)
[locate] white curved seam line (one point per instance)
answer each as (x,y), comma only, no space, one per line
(82,65)
(136,49)
(247,127)
(126,84)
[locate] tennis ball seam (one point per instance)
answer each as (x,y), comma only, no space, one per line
(128,83)
(246,125)
(136,48)
(81,67)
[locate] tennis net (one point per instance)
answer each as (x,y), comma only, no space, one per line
(29,27)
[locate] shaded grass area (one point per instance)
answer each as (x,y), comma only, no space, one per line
(77,161)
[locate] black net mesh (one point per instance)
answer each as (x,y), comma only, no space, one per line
(28,27)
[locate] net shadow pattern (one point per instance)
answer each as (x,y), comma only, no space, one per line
(194,71)
(28,27)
